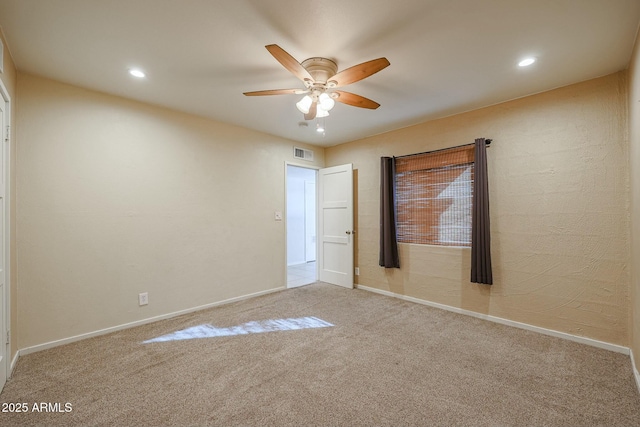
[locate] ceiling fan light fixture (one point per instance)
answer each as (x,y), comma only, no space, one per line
(304,104)
(326,102)
(321,112)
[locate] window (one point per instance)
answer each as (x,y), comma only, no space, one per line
(434,194)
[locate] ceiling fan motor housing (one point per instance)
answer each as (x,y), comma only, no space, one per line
(320,69)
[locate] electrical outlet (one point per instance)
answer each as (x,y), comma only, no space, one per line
(357,271)
(143,298)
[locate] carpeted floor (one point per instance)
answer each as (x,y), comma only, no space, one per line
(385,362)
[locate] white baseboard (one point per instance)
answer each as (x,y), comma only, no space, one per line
(636,374)
(51,344)
(557,334)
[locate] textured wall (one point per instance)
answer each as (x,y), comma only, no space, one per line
(118,198)
(634,141)
(559,191)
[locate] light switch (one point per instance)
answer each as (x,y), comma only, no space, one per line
(278,216)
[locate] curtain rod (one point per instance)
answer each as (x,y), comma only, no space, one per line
(487,142)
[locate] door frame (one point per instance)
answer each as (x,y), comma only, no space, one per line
(316,169)
(6,146)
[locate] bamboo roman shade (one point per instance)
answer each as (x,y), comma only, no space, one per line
(434,194)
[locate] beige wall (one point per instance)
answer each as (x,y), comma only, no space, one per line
(8,78)
(634,140)
(118,198)
(559,190)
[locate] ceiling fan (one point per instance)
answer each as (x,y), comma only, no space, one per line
(320,78)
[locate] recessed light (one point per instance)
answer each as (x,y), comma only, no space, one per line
(526,62)
(137,73)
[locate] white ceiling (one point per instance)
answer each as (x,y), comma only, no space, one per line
(447,56)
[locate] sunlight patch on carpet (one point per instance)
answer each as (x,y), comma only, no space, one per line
(255,327)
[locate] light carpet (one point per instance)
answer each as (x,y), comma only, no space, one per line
(384,362)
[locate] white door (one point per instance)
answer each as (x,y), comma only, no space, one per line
(335,225)
(3,285)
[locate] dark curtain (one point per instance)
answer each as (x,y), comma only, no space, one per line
(480,232)
(388,244)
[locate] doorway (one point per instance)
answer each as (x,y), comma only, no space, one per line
(301,226)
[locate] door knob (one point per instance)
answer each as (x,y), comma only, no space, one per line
(351,232)
(348,232)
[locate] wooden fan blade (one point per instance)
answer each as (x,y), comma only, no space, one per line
(276,92)
(289,62)
(313,110)
(355,100)
(358,72)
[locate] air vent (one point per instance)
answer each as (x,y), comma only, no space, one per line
(300,153)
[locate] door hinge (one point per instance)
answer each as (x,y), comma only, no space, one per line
(8,337)
(7,133)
